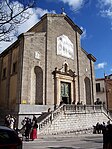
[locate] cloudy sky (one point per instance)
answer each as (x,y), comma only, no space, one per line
(94,17)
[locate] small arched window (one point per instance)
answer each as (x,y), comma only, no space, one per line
(66,67)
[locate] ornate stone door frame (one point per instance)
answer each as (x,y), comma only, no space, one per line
(67,77)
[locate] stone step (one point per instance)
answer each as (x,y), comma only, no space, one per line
(71,133)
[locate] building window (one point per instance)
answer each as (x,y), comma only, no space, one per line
(97,87)
(14,69)
(4,73)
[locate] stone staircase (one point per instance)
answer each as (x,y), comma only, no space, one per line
(66,119)
(72,119)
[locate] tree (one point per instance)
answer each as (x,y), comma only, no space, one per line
(13,14)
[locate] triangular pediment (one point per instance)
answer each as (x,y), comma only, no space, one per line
(44,17)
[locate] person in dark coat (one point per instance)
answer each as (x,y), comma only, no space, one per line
(107,137)
(27,127)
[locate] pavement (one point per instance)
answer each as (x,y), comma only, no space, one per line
(66,141)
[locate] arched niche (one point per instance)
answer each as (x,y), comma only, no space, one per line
(39,85)
(88,90)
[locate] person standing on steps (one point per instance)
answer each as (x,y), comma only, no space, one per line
(33,134)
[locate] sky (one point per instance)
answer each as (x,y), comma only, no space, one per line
(94,17)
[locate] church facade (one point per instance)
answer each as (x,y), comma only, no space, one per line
(46,66)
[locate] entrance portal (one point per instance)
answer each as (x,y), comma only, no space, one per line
(66,92)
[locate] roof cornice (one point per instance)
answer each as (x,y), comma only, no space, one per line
(91,57)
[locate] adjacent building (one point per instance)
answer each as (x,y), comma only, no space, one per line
(104,91)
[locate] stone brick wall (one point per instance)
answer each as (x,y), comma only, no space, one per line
(32,43)
(58,26)
(46,45)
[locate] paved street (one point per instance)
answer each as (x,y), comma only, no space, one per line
(66,142)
